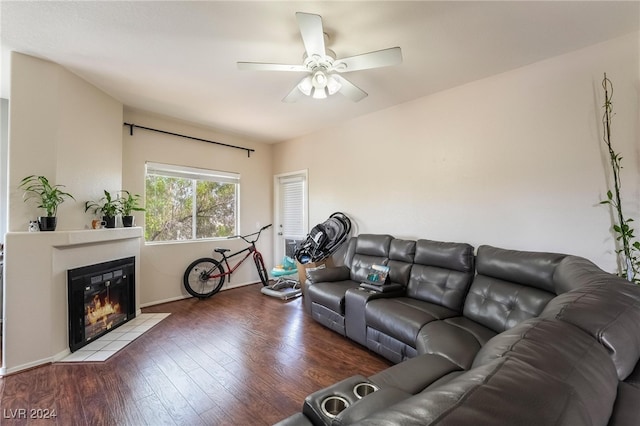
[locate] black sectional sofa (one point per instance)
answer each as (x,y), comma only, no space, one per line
(497,337)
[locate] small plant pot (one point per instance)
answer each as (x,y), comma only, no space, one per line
(127,221)
(110,221)
(47,223)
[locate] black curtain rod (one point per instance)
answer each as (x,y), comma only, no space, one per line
(131,126)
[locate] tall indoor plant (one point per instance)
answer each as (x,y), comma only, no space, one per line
(108,206)
(629,247)
(128,204)
(49,197)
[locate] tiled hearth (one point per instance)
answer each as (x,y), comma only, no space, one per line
(109,344)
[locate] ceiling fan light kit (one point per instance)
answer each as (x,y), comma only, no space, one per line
(323,70)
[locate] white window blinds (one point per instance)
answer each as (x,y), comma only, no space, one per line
(293,207)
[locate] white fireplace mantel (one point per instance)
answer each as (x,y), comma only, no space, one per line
(35,326)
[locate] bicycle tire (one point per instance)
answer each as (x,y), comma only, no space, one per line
(262,270)
(194,278)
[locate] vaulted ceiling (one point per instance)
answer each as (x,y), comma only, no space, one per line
(179,58)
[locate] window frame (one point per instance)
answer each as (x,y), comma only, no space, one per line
(194,174)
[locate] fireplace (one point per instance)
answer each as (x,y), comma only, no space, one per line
(101,298)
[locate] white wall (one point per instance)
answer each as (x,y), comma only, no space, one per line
(162,265)
(514,160)
(65,129)
(61,127)
(4,143)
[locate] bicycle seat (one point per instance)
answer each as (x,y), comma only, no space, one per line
(221,250)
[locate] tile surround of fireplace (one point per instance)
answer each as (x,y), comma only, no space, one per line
(110,343)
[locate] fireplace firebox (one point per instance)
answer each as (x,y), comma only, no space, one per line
(101,298)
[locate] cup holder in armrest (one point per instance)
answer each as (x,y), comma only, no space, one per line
(363,389)
(323,406)
(333,405)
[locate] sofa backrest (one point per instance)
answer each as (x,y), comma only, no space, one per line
(562,351)
(364,251)
(510,286)
(401,255)
(605,306)
(441,273)
(504,391)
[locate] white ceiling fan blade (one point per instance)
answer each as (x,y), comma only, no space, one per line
(377,59)
(312,33)
(260,66)
(295,94)
(349,89)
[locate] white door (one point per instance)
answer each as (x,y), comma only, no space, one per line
(291,213)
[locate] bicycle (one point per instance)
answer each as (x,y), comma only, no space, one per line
(204,277)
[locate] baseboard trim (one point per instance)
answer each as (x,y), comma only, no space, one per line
(181,297)
(33,364)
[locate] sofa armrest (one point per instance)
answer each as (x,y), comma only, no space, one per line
(415,374)
(355,300)
(372,403)
(335,273)
(326,274)
(297,419)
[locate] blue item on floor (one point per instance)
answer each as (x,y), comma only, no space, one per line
(283,287)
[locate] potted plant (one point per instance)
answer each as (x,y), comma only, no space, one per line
(107,206)
(629,247)
(128,204)
(49,197)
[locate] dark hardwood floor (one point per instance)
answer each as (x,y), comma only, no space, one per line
(238,358)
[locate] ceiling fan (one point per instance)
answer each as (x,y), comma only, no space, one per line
(323,69)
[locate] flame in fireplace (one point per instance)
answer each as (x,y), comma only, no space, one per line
(99,310)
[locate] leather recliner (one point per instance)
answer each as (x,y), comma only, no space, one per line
(324,295)
(575,361)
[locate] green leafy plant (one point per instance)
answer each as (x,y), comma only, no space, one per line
(49,196)
(629,250)
(129,203)
(106,205)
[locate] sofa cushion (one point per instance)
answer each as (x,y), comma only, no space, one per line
(455,256)
(533,269)
(491,394)
(442,273)
(401,253)
(626,410)
(500,305)
(403,317)
(330,294)
(608,309)
(368,250)
(575,272)
(457,339)
(564,352)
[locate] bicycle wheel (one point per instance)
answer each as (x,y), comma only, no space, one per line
(262,271)
(196,278)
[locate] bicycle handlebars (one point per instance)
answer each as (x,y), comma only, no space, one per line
(244,237)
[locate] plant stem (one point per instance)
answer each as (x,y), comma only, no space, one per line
(615,166)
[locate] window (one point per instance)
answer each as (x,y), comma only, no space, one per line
(185,203)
